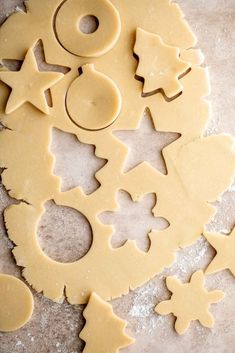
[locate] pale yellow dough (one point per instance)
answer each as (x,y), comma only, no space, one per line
(16,303)
(97,43)
(189,301)
(93,100)
(104,332)
(29,85)
(194,176)
(159,64)
(225,254)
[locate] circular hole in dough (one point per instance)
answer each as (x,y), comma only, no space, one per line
(88,24)
(16,303)
(64,234)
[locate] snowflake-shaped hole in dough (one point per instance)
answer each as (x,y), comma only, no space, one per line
(133,220)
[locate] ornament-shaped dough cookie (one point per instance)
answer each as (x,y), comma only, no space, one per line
(93,100)
(104,331)
(189,301)
(159,64)
(225,249)
(16,303)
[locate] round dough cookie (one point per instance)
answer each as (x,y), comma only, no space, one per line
(16,303)
(93,44)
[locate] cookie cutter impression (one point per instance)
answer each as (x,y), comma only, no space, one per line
(93,44)
(93,100)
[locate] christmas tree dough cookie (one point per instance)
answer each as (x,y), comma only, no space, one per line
(16,303)
(104,331)
(159,64)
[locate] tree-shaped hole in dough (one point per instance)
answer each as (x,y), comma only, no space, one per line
(133,220)
(72,164)
(64,234)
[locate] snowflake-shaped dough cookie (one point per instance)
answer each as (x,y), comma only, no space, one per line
(189,301)
(225,257)
(159,64)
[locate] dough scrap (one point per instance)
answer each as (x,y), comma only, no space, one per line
(189,301)
(28,163)
(16,303)
(29,85)
(159,64)
(224,246)
(103,329)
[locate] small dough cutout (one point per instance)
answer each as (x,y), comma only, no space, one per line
(104,331)
(29,85)
(189,301)
(16,303)
(225,257)
(159,64)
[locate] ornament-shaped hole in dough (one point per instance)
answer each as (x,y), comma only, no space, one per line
(64,234)
(146,144)
(133,220)
(88,24)
(76,162)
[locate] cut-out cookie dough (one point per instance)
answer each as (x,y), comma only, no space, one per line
(79,43)
(225,255)
(189,301)
(145,144)
(194,175)
(159,64)
(93,100)
(29,85)
(104,331)
(16,303)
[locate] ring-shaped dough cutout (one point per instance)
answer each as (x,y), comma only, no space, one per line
(93,100)
(93,44)
(16,303)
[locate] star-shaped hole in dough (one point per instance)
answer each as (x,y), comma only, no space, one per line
(133,220)
(189,301)
(104,330)
(29,84)
(225,248)
(159,64)
(146,144)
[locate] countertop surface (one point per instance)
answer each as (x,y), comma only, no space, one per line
(54,327)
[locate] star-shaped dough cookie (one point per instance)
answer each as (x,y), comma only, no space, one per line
(29,84)
(159,64)
(104,331)
(225,248)
(189,301)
